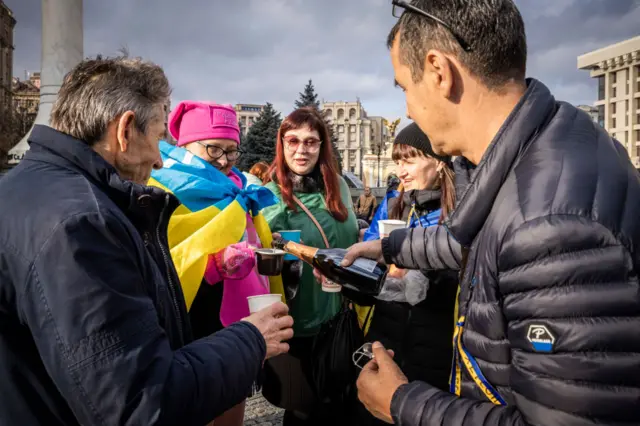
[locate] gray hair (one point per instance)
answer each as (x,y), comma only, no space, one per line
(98,91)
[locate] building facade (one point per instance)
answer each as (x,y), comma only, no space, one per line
(353,130)
(376,162)
(617,69)
(7,24)
(26,94)
(364,142)
(26,99)
(247,115)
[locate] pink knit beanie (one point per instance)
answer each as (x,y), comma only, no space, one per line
(195,121)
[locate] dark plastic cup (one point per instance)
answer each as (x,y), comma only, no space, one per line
(269,261)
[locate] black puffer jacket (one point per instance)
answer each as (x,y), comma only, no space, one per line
(550,296)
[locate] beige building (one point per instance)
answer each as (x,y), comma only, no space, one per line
(247,115)
(376,162)
(617,68)
(26,100)
(26,94)
(353,129)
(360,139)
(7,24)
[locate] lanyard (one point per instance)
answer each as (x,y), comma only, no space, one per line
(462,357)
(413,212)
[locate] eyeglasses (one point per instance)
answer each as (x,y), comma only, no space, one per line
(216,152)
(310,144)
(400,7)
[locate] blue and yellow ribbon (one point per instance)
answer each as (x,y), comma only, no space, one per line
(462,357)
(212,216)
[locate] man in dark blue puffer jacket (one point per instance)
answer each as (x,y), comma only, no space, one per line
(93,324)
(547,233)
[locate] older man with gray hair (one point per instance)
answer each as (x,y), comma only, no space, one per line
(93,325)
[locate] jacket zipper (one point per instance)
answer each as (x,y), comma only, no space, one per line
(167,266)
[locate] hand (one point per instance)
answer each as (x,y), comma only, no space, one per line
(368,249)
(233,262)
(396,272)
(378,382)
(277,235)
(318,275)
(274,324)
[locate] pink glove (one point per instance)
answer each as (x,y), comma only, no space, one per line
(234,262)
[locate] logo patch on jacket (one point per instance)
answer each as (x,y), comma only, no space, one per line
(541,338)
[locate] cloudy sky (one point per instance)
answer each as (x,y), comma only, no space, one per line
(254,51)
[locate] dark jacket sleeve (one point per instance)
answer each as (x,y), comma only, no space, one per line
(431,248)
(98,334)
(573,277)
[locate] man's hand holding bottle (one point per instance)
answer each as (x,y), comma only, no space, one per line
(368,249)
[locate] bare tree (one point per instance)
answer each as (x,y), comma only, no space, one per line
(124,51)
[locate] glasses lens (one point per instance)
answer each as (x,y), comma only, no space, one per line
(292,144)
(397,11)
(233,155)
(214,152)
(312,145)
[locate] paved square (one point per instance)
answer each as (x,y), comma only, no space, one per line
(260,412)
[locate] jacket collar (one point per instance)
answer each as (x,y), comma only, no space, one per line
(51,146)
(528,118)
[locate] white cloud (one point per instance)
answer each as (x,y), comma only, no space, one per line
(266,50)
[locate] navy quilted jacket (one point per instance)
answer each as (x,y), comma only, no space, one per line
(93,324)
(549,325)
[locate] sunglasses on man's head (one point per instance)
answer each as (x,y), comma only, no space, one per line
(399,7)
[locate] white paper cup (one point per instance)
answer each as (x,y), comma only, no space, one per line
(329,286)
(385,227)
(258,303)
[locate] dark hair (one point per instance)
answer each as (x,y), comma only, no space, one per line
(311,118)
(494,28)
(260,169)
(98,91)
(444,182)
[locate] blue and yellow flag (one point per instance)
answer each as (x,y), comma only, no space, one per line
(212,216)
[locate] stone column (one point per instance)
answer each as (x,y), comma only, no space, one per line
(62,49)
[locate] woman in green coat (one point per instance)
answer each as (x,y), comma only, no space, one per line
(305,168)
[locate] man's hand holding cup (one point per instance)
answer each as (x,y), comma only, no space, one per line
(275,324)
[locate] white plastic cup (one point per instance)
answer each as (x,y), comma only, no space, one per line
(385,227)
(258,303)
(329,286)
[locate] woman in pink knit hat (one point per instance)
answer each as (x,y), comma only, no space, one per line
(220,219)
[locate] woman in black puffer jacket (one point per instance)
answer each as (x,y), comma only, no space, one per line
(421,334)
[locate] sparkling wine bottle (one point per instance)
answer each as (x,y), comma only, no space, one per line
(363,276)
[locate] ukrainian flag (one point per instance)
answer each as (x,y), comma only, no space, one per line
(212,216)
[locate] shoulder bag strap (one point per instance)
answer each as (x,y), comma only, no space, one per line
(313,219)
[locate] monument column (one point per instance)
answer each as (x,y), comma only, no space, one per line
(62,49)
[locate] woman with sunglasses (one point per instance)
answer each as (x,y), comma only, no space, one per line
(305,169)
(213,233)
